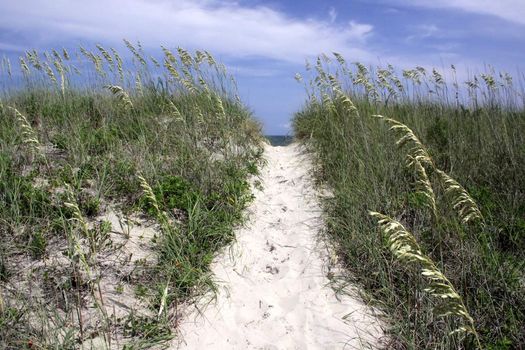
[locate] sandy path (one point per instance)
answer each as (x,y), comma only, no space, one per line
(273,284)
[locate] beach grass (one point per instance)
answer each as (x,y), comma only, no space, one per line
(427,174)
(105,156)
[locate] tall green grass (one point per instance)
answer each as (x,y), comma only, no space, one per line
(446,275)
(87,132)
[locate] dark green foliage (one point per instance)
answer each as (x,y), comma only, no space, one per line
(99,234)
(37,244)
(145,328)
(173,192)
(100,141)
(89,205)
(4,273)
(186,251)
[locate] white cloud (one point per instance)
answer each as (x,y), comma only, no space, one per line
(423,32)
(333,14)
(391,10)
(223,27)
(11,47)
(447,47)
(254,71)
(510,10)
(359,31)
(286,126)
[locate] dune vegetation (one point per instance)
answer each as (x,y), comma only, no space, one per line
(120,179)
(427,174)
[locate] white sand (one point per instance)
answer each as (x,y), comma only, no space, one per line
(273,281)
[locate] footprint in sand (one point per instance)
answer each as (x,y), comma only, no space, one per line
(272,269)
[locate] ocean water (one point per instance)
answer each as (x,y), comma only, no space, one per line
(279,140)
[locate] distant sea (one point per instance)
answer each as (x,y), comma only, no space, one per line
(279,140)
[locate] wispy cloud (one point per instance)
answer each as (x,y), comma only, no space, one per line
(359,31)
(423,31)
(447,47)
(11,47)
(391,10)
(224,27)
(510,10)
(257,71)
(333,14)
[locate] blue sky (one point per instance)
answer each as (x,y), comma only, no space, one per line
(264,43)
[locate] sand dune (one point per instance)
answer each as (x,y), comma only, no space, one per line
(274,291)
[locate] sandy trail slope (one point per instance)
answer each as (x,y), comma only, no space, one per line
(273,280)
